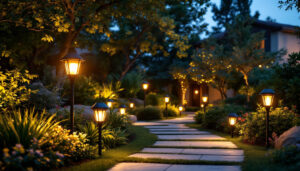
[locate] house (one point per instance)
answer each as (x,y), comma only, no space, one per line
(277,36)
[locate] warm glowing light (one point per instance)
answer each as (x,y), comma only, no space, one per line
(122,111)
(145,86)
(259,66)
(167,99)
(204,99)
(267,100)
(72,66)
(196,91)
(100,115)
(180,108)
(109,104)
(202,105)
(232,120)
(131,105)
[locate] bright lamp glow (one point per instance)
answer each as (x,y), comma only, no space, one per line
(122,111)
(145,86)
(196,91)
(267,97)
(204,99)
(72,66)
(109,104)
(202,105)
(167,99)
(131,105)
(100,115)
(180,108)
(232,120)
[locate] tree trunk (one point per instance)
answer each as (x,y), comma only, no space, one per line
(247,86)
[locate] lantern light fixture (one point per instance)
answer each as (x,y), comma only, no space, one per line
(100,114)
(205,101)
(110,103)
(196,92)
(232,117)
(122,109)
(131,105)
(180,109)
(167,99)
(145,86)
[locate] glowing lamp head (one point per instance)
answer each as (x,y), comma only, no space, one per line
(167,99)
(180,108)
(123,109)
(100,111)
(145,85)
(232,117)
(267,97)
(196,91)
(131,105)
(110,103)
(72,62)
(202,105)
(205,98)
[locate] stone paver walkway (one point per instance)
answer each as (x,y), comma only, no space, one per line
(178,142)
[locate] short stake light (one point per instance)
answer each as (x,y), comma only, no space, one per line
(72,63)
(180,109)
(205,101)
(145,86)
(131,105)
(122,109)
(167,100)
(110,103)
(100,114)
(232,117)
(267,98)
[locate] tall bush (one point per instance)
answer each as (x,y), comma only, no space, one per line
(149,113)
(131,84)
(154,99)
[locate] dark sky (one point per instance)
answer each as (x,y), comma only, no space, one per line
(266,8)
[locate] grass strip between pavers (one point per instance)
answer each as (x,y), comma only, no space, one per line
(177,161)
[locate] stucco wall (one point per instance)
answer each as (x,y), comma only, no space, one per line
(287,41)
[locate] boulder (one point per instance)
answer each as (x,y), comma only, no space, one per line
(85,110)
(132,118)
(289,137)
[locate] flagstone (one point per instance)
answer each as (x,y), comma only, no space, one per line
(176,167)
(228,152)
(180,133)
(140,167)
(190,137)
(174,129)
(208,144)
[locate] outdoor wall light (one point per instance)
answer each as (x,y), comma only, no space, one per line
(180,109)
(72,63)
(100,114)
(205,101)
(232,117)
(131,105)
(167,100)
(123,109)
(145,86)
(267,98)
(196,91)
(110,103)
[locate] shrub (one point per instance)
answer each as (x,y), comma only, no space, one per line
(131,84)
(63,115)
(115,120)
(238,100)
(216,117)
(192,109)
(254,128)
(20,127)
(288,156)
(149,113)
(110,137)
(154,99)
(199,116)
(172,111)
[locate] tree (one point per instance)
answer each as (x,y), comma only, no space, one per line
(211,66)
(289,4)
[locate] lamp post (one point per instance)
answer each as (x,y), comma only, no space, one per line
(232,121)
(72,63)
(205,101)
(131,105)
(123,109)
(145,88)
(167,100)
(100,114)
(267,98)
(180,109)
(110,103)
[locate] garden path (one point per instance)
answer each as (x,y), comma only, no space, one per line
(195,150)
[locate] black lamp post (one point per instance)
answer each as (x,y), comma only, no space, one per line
(232,117)
(145,88)
(72,63)
(180,109)
(167,100)
(267,98)
(100,114)
(123,109)
(205,101)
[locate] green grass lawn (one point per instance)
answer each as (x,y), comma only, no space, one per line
(111,157)
(256,157)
